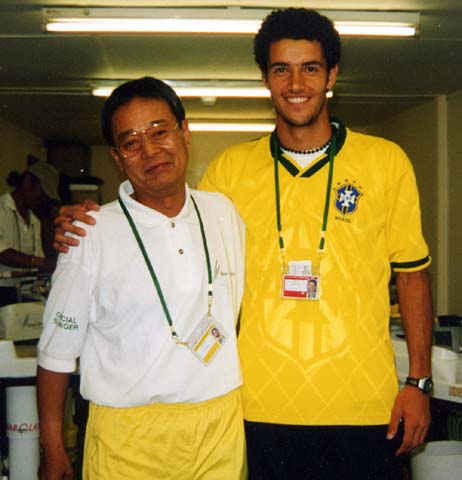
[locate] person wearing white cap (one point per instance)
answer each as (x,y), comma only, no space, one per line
(20,231)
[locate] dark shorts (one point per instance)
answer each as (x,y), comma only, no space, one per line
(293,452)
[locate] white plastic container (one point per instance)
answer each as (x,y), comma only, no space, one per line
(445,363)
(22,432)
(437,461)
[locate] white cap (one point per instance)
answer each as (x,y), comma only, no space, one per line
(48,176)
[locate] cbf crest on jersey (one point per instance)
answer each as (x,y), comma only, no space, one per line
(348,196)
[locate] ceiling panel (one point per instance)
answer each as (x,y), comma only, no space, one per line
(45,80)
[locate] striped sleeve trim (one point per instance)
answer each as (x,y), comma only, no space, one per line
(411,266)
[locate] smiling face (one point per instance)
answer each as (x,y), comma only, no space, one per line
(156,170)
(298,80)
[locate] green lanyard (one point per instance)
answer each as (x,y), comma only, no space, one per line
(153,273)
(276,152)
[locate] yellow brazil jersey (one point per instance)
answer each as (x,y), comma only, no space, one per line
(326,362)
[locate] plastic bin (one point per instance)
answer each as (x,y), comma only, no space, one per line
(23,432)
(437,461)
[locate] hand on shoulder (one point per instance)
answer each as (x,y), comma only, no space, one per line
(64,224)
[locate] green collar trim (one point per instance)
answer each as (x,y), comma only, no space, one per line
(340,135)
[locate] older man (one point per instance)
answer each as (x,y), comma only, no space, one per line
(149,303)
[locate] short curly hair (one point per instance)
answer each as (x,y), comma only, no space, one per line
(297,24)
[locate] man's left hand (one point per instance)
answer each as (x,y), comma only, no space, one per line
(412,406)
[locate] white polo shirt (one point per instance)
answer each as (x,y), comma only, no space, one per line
(15,233)
(103,306)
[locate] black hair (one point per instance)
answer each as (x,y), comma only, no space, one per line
(297,24)
(16,179)
(146,87)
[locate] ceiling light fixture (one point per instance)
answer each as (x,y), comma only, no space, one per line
(229,20)
(202,91)
(230,127)
(207,90)
(382,24)
(218,21)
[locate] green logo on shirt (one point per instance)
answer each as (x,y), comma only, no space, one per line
(64,322)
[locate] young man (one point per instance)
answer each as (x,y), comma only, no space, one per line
(148,302)
(320,392)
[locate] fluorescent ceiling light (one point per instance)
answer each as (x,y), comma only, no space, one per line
(376,23)
(160,25)
(196,91)
(212,90)
(153,20)
(257,92)
(231,20)
(102,91)
(375,29)
(230,127)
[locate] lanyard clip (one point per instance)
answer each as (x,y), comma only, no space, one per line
(174,334)
(176,338)
(322,242)
(209,301)
(282,254)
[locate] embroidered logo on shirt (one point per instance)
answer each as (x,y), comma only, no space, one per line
(348,196)
(64,322)
(216,270)
(219,272)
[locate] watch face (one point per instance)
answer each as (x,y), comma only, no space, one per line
(424,384)
(427,385)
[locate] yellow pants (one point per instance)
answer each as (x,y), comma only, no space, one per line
(182,441)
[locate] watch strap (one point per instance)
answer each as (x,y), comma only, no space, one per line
(424,384)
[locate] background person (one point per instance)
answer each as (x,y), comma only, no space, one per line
(20,231)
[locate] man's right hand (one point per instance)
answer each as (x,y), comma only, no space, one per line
(55,466)
(67,215)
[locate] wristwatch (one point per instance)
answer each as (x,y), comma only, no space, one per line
(425,383)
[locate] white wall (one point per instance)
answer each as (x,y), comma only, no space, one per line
(104,167)
(455,201)
(16,145)
(416,131)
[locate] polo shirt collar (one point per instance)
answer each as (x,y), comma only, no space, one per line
(150,217)
(9,202)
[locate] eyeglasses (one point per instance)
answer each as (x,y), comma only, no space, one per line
(158,134)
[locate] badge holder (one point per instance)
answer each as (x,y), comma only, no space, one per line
(302,282)
(207,339)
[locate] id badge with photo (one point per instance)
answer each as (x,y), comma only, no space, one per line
(302,282)
(207,339)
